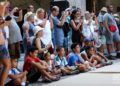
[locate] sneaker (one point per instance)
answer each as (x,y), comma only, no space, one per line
(56,79)
(118,55)
(109,63)
(110,57)
(46,80)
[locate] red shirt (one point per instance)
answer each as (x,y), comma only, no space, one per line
(28,61)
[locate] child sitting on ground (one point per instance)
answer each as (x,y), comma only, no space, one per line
(75,59)
(61,62)
(35,67)
(15,77)
(50,64)
(96,58)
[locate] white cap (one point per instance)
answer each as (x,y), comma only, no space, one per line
(104,9)
(37,29)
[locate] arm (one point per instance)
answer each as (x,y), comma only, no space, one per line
(5,23)
(38,65)
(20,16)
(38,45)
(16,76)
(61,22)
(85,57)
(106,25)
(51,22)
(3,6)
(26,30)
(74,26)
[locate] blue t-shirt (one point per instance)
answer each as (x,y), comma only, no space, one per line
(74,58)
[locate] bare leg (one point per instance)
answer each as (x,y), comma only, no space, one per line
(101,49)
(66,71)
(118,46)
(4,73)
(81,68)
(110,48)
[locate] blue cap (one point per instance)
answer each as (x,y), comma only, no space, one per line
(87,40)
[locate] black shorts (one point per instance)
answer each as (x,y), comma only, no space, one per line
(33,76)
(10,83)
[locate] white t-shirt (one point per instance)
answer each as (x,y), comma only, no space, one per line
(12,71)
(88,29)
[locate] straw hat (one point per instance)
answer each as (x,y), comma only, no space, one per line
(37,29)
(104,9)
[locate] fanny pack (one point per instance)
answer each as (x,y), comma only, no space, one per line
(112,28)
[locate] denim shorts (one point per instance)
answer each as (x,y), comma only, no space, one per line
(115,37)
(3,52)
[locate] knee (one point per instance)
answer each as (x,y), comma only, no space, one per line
(17,82)
(82,68)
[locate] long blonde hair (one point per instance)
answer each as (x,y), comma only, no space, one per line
(39,10)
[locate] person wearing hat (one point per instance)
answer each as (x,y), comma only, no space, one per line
(112,33)
(102,29)
(28,27)
(37,42)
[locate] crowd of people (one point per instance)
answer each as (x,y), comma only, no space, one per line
(55,46)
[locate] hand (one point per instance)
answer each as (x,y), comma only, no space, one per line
(20,11)
(14,9)
(109,33)
(48,46)
(66,13)
(3,6)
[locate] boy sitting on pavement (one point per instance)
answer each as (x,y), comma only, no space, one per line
(35,67)
(15,77)
(75,59)
(61,63)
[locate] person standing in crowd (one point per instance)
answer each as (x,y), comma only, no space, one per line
(28,31)
(30,9)
(117,19)
(58,34)
(88,29)
(102,29)
(112,33)
(14,33)
(76,24)
(41,19)
(67,30)
(4,54)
